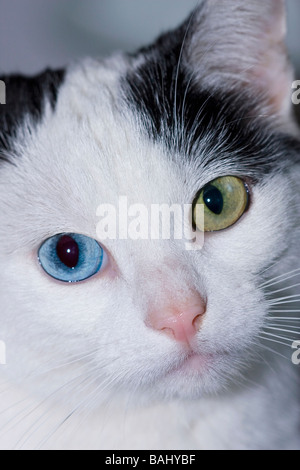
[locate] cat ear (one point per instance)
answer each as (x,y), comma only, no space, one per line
(239,45)
(25,96)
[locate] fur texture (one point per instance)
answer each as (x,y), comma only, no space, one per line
(83,368)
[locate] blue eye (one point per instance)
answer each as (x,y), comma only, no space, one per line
(71,257)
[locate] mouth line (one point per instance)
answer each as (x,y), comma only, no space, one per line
(195,362)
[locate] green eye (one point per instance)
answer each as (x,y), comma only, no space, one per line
(225,200)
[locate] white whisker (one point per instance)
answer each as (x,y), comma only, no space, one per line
(66,364)
(283,302)
(286,311)
(271,335)
(177,77)
(284,288)
(283,321)
(273,351)
(273,340)
(269,267)
(107,383)
(279,299)
(36,407)
(38,423)
(34,429)
(5,410)
(281,278)
(283,325)
(283,330)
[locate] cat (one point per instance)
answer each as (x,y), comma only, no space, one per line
(144,344)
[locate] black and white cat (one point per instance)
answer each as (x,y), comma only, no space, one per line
(135,343)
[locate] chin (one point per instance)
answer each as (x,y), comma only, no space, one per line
(197,376)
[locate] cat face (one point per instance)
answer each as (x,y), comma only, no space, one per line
(155,319)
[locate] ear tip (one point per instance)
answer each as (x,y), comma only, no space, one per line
(278,18)
(272,12)
(244,47)
(278,6)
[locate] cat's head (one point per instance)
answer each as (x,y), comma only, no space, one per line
(203,115)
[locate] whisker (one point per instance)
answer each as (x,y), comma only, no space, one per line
(273,340)
(38,423)
(283,321)
(177,76)
(284,325)
(271,335)
(183,107)
(36,407)
(287,297)
(287,318)
(281,278)
(269,267)
(283,302)
(75,409)
(273,351)
(75,359)
(282,329)
(10,407)
(284,288)
(65,364)
(288,311)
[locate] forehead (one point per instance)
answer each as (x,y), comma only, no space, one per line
(95,140)
(209,126)
(88,151)
(97,146)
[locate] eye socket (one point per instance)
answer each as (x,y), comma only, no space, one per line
(225,200)
(71,257)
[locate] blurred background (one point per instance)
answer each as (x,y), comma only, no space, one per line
(35,34)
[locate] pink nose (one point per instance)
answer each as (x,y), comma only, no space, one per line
(181,321)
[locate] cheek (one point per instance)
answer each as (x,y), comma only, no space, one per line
(44,325)
(235,311)
(229,264)
(34,304)
(259,237)
(37,310)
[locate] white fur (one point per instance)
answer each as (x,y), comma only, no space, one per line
(84,350)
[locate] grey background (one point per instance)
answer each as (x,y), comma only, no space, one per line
(35,34)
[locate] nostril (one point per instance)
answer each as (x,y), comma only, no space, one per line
(182,327)
(197,322)
(180,321)
(169,332)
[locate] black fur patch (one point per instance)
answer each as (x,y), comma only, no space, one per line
(26,95)
(176,111)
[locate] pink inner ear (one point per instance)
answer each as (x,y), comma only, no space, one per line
(273,79)
(273,75)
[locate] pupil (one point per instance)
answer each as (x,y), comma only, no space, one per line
(213,199)
(68,251)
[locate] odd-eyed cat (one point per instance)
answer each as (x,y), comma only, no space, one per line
(123,343)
